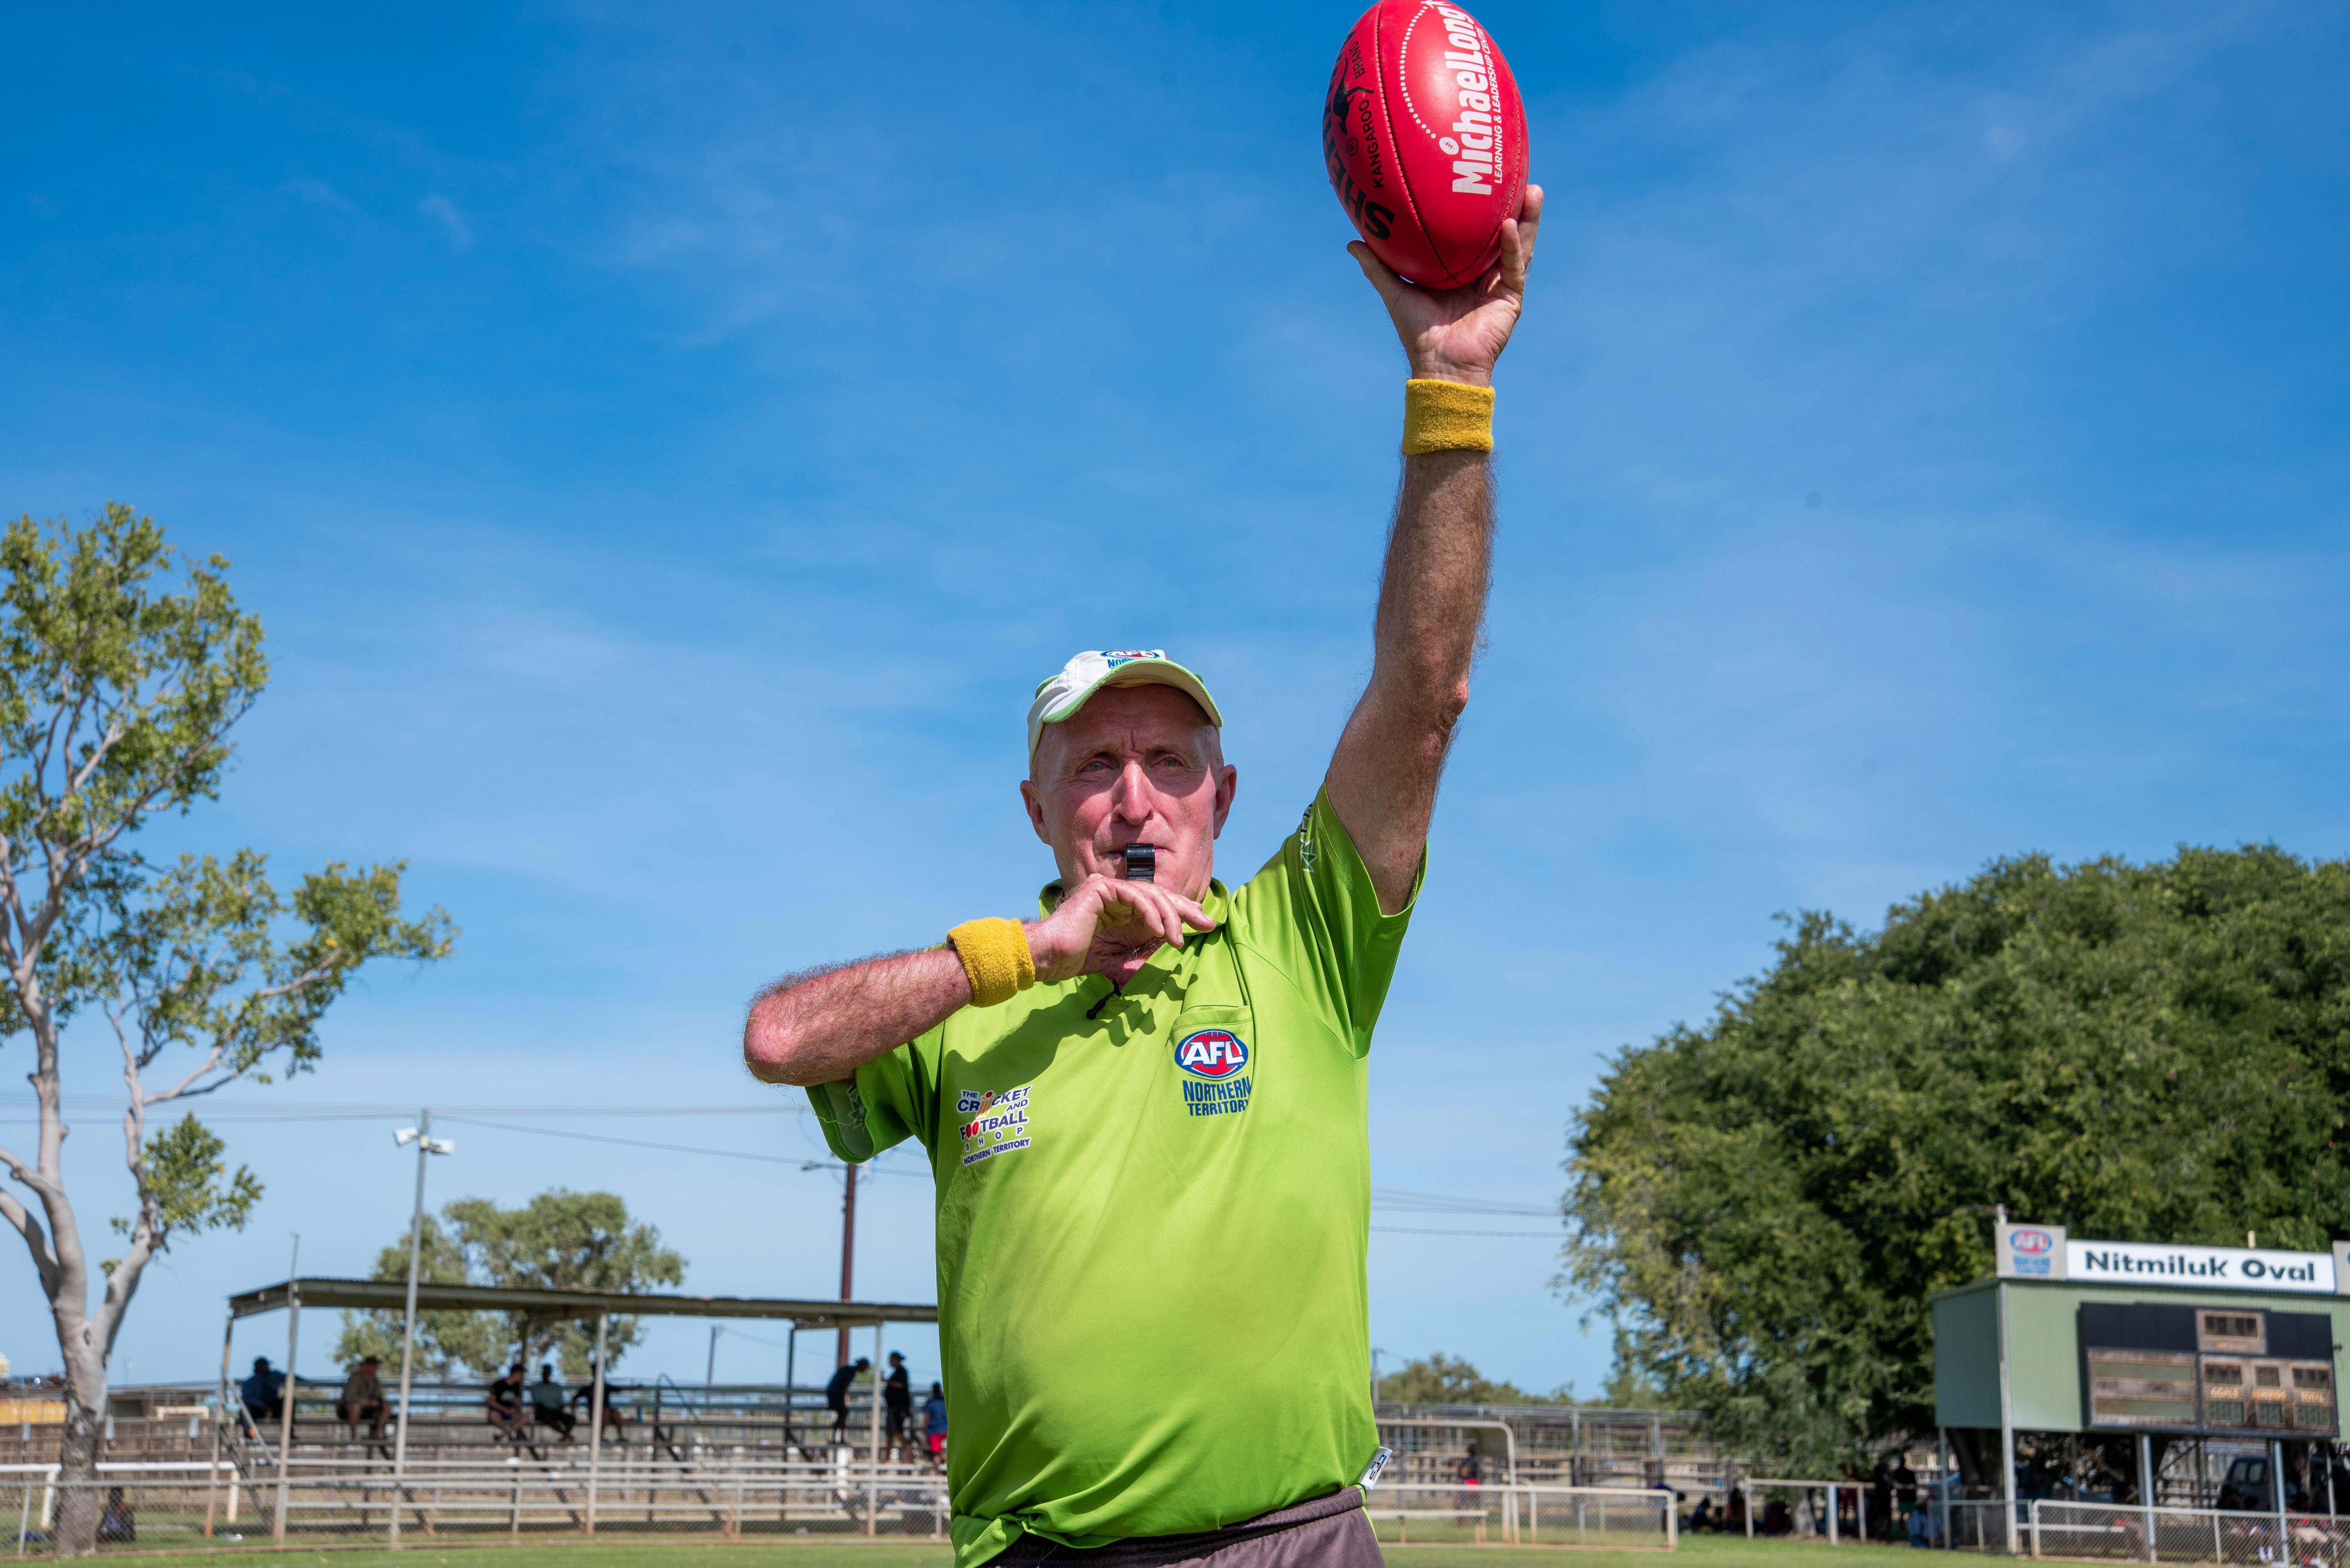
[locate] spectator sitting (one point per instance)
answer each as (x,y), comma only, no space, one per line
(505,1403)
(1701,1518)
(613,1418)
(363,1399)
(264,1393)
(934,1424)
(119,1521)
(549,1404)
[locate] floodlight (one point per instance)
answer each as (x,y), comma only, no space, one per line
(442,1145)
(404,1136)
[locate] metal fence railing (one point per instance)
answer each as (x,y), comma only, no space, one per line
(2127,1532)
(1506,1515)
(135,1507)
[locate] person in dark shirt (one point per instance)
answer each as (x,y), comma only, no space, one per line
(836,1396)
(898,1408)
(264,1392)
(504,1403)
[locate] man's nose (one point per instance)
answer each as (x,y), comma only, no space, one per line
(1132,800)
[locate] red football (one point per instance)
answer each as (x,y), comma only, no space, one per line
(1426,141)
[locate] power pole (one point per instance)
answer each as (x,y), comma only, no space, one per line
(847,1257)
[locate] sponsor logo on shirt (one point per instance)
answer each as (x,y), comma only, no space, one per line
(1306,839)
(997,1124)
(1215,1082)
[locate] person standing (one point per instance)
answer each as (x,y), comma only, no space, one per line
(934,1426)
(1145,1108)
(898,1408)
(836,1396)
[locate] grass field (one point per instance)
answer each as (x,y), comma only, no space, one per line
(1697,1552)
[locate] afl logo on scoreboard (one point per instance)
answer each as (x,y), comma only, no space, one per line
(2032,1251)
(1211,1053)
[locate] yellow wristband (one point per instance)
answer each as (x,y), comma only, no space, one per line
(1445,416)
(995,959)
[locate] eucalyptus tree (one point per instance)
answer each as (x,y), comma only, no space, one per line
(124,666)
(560,1241)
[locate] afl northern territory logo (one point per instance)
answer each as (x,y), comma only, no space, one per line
(1211,1053)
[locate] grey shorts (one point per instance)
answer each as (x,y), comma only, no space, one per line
(1327,1532)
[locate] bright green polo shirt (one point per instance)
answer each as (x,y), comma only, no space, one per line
(1151,1222)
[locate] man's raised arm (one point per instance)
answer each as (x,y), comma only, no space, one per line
(1383,776)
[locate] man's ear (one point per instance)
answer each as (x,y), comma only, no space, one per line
(1035,804)
(1227,786)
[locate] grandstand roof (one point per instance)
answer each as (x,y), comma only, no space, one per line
(391,1295)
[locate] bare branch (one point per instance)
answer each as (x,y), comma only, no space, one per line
(181,1089)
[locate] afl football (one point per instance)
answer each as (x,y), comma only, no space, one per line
(1426,141)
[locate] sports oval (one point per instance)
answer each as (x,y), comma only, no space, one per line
(1211,1053)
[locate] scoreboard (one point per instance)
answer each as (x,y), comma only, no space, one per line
(2232,1371)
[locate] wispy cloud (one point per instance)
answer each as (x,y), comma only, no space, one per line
(443,212)
(319,193)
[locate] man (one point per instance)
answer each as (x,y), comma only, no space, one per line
(1145,1108)
(550,1405)
(897,1408)
(504,1403)
(836,1396)
(612,1416)
(362,1401)
(262,1392)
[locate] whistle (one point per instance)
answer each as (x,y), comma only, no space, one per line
(1141,862)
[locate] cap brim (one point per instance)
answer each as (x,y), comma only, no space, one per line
(1140,672)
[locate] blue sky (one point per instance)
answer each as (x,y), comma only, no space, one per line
(666,444)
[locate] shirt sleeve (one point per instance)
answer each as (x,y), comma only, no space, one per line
(892,1098)
(1314,912)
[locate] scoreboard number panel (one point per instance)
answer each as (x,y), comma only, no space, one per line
(2149,1366)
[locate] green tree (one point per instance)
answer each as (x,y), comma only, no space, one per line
(123,668)
(2140,1052)
(1441,1379)
(558,1240)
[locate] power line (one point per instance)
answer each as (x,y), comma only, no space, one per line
(297,1110)
(1440,1203)
(801,1161)
(1406,1230)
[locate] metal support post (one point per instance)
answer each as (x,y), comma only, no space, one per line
(1748,1492)
(596,1415)
(873,1455)
(407,1326)
(1834,1501)
(2006,1428)
(2276,1492)
(1942,1485)
(286,1421)
(220,1413)
(2146,1489)
(791,1378)
(1860,1512)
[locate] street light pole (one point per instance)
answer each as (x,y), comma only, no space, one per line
(426,1145)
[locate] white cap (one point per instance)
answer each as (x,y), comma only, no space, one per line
(1088,672)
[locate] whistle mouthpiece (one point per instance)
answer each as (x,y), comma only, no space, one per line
(1141,862)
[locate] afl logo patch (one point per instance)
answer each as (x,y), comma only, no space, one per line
(1211,1053)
